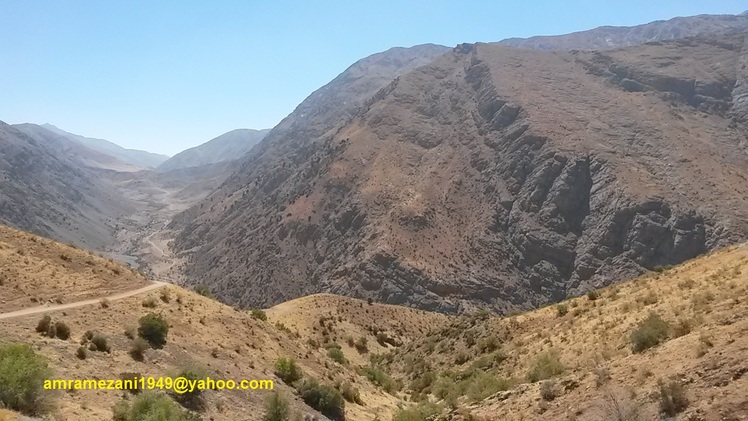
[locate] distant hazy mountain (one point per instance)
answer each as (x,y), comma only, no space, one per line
(46,190)
(129,156)
(226,147)
(83,155)
(606,37)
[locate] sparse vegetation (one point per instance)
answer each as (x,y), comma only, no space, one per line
(44,324)
(62,330)
(650,333)
(99,343)
(672,397)
(204,291)
(545,366)
(154,329)
(287,370)
(323,398)
(22,376)
(138,346)
(259,315)
(150,302)
(337,355)
(562,310)
(151,406)
(422,412)
(276,408)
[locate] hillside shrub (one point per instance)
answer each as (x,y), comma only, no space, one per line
(287,370)
(154,329)
(99,343)
(350,393)
(545,366)
(562,310)
(650,333)
(672,397)
(151,406)
(424,411)
(204,291)
(276,408)
(44,323)
(323,398)
(337,355)
(81,353)
(259,315)
(62,330)
(138,346)
(22,376)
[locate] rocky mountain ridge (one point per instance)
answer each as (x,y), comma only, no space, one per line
(492,177)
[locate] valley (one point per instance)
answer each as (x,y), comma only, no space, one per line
(552,227)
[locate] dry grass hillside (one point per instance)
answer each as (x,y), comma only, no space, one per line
(578,360)
(221,341)
(573,361)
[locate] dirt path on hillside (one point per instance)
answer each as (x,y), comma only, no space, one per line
(48,308)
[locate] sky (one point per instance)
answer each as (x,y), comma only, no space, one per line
(164,75)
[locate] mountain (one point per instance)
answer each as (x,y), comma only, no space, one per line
(75,151)
(226,147)
(668,344)
(46,190)
(128,156)
(491,177)
(607,37)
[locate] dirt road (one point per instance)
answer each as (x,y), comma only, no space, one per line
(48,308)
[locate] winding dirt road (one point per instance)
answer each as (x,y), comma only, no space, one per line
(48,308)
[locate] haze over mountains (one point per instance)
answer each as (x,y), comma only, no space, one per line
(226,147)
(130,156)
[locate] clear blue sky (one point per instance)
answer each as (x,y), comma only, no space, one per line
(167,75)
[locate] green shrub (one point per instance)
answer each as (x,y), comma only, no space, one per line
(121,411)
(482,385)
(593,295)
(259,315)
(650,333)
(62,331)
(350,393)
(44,324)
(287,370)
(138,346)
(672,397)
(99,343)
(22,376)
(81,353)
(204,291)
(323,398)
(362,345)
(276,408)
(151,406)
(380,378)
(154,329)
(337,355)
(150,302)
(545,366)
(424,411)
(191,399)
(561,310)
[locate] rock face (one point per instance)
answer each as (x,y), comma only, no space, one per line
(608,37)
(226,147)
(491,177)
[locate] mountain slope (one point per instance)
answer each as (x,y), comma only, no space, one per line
(494,177)
(75,151)
(226,147)
(129,156)
(49,192)
(607,37)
